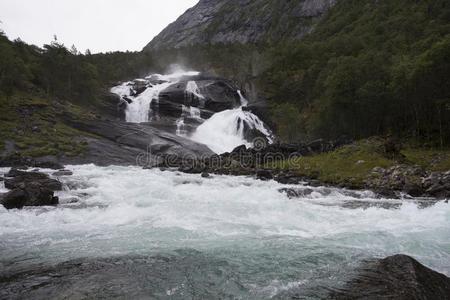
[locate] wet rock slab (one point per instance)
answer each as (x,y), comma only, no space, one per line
(185,274)
(396,277)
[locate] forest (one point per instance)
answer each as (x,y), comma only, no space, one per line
(368,68)
(64,73)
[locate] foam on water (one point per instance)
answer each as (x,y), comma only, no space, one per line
(133,209)
(225,130)
(274,243)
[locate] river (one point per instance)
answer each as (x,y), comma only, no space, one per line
(163,234)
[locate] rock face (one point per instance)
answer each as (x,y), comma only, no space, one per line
(412,180)
(48,162)
(241,21)
(130,277)
(119,143)
(243,161)
(217,95)
(396,277)
(437,184)
(29,189)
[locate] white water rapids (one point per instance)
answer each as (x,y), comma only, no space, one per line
(221,237)
(271,243)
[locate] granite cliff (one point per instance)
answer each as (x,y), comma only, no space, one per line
(241,22)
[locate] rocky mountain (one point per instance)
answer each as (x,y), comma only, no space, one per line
(241,21)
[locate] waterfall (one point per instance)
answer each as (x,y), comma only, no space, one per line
(138,106)
(192,88)
(193,92)
(224,131)
(181,127)
(244,102)
(187,112)
(138,110)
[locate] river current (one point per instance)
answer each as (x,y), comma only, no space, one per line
(163,234)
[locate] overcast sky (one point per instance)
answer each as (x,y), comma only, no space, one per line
(100,25)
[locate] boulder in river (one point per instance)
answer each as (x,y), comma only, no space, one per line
(33,194)
(396,277)
(19,179)
(264,175)
(29,189)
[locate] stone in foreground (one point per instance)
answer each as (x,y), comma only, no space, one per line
(396,277)
(29,189)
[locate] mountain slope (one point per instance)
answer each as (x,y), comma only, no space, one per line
(241,21)
(361,68)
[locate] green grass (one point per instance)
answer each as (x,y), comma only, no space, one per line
(433,160)
(352,165)
(32,124)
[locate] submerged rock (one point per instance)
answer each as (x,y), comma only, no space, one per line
(395,277)
(186,274)
(296,192)
(63,173)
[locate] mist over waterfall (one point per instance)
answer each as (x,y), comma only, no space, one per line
(207,110)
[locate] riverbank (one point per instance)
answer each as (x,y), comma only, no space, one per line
(382,165)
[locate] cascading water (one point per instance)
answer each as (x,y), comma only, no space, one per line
(187,112)
(225,130)
(192,89)
(221,133)
(244,102)
(138,106)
